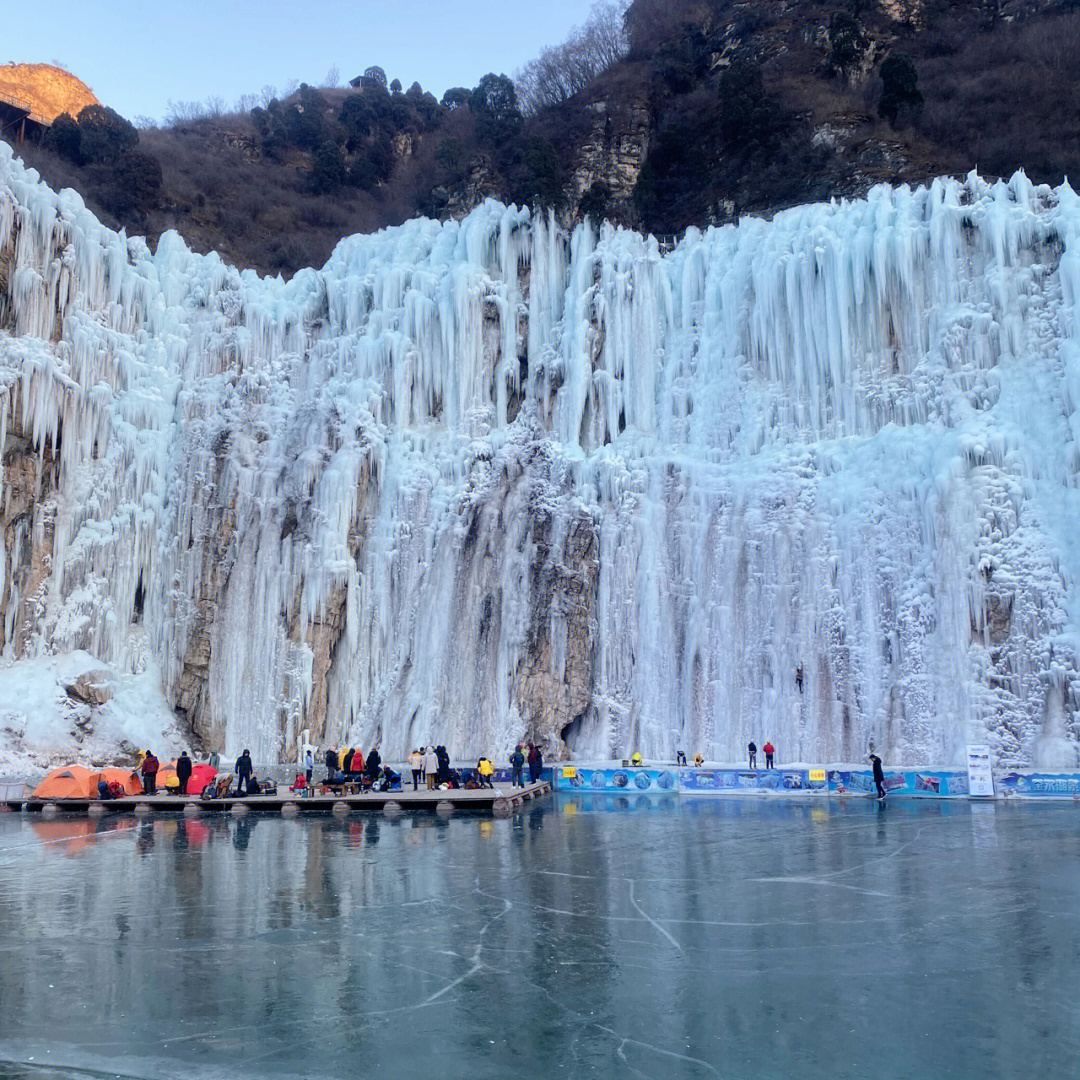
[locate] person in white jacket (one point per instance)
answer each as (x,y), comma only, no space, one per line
(431,767)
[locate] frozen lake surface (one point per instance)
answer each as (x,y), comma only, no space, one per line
(590,936)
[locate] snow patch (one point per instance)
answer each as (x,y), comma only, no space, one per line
(42,725)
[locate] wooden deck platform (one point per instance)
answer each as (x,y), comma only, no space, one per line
(502,799)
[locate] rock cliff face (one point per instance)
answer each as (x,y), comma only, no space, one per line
(27,521)
(913,12)
(813,479)
(612,152)
(43,91)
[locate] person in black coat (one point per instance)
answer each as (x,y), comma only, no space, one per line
(332,764)
(879,775)
(517,760)
(374,764)
(183,771)
(243,770)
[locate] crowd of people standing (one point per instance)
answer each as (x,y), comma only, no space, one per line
(429,767)
(350,766)
(768,750)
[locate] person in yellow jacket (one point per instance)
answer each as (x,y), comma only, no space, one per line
(416,767)
(486,771)
(635,759)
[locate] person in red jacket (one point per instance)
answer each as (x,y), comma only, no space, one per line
(149,769)
(768,749)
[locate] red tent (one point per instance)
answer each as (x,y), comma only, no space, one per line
(201,775)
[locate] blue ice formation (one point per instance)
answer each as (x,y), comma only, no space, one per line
(812,479)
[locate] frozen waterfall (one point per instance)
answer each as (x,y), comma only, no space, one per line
(812,479)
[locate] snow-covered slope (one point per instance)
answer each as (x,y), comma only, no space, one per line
(812,479)
(56,709)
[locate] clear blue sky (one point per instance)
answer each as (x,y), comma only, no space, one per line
(138,56)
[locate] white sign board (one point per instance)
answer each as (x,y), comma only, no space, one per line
(980,776)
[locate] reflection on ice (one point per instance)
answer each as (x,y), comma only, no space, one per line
(662,938)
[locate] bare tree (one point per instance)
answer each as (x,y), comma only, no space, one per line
(560,71)
(183,112)
(267,94)
(333,78)
(215,106)
(606,33)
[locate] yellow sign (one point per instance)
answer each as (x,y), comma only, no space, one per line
(817,774)
(569,771)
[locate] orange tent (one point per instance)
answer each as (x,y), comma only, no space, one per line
(78,782)
(69,782)
(201,775)
(128,779)
(166,772)
(69,837)
(65,836)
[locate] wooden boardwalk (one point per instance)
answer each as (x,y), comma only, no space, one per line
(502,799)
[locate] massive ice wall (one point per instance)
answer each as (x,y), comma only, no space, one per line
(812,479)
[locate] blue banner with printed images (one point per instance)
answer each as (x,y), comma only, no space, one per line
(571,778)
(1039,784)
(724,781)
(734,781)
(949,783)
(924,783)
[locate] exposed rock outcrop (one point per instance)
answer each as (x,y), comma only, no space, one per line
(27,519)
(612,152)
(92,687)
(556,672)
(44,91)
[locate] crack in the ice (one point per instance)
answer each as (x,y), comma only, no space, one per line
(645,915)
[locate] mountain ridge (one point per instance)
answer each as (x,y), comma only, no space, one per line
(714,109)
